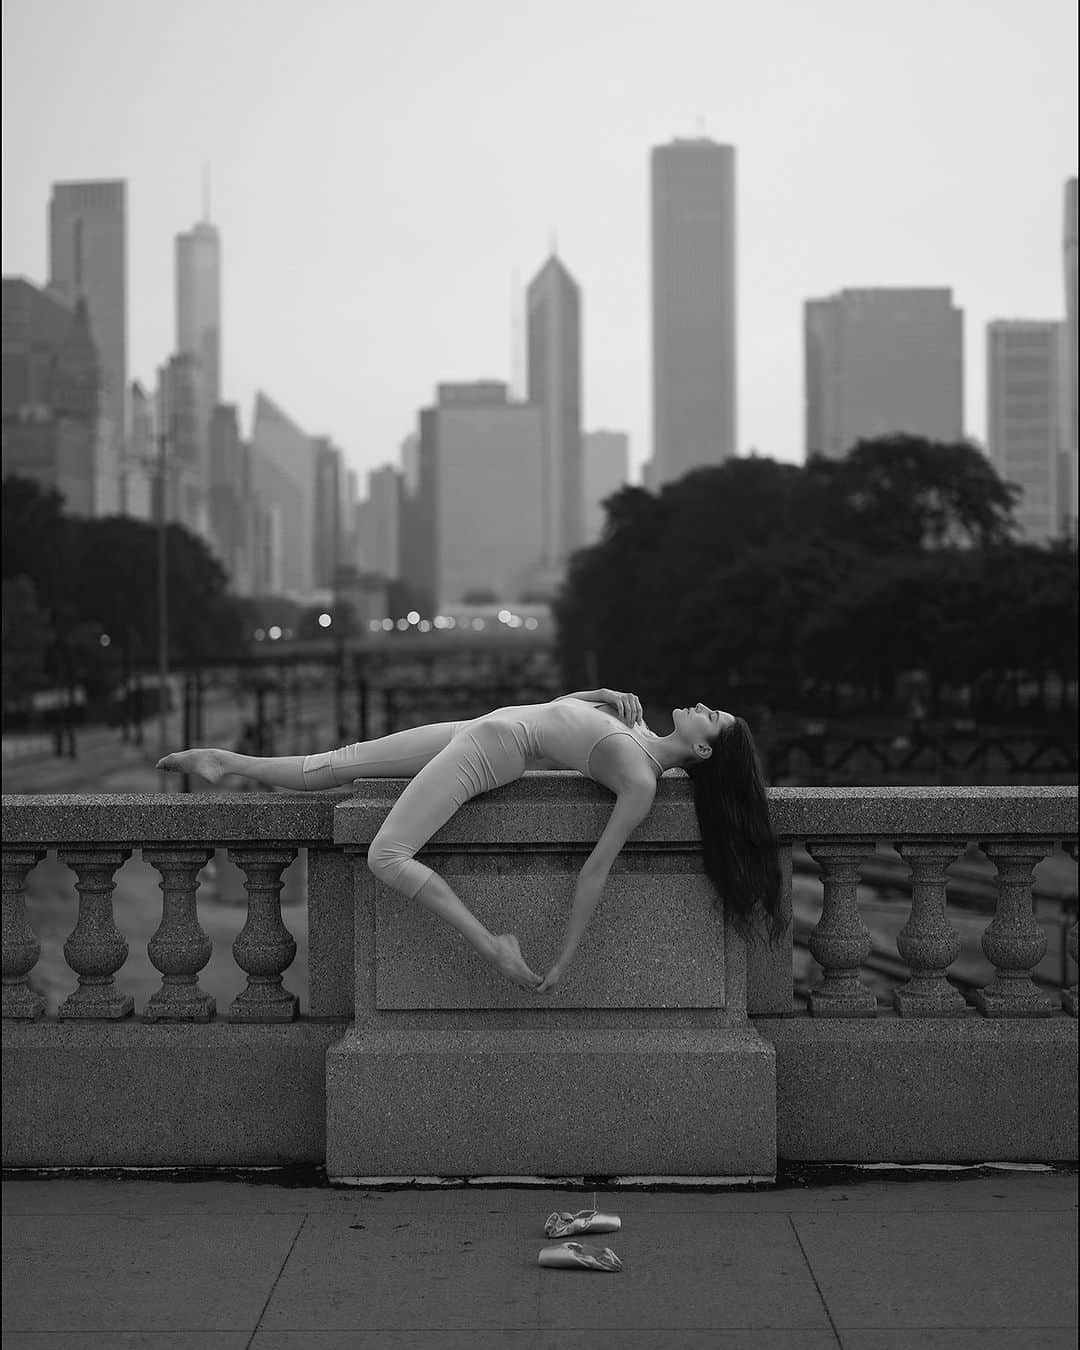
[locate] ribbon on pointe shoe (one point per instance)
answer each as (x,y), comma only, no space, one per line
(562,1224)
(580,1256)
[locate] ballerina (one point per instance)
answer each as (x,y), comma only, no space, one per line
(599,732)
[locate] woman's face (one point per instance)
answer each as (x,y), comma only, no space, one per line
(701,724)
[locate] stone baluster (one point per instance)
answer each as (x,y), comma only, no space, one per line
(1069,996)
(179,948)
(96,949)
(841,941)
(1014,942)
(928,942)
(264,948)
(21,949)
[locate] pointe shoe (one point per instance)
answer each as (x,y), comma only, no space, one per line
(579,1256)
(563,1224)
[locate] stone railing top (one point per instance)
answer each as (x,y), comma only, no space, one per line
(181,817)
(541,808)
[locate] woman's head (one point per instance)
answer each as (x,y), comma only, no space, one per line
(738,842)
(698,726)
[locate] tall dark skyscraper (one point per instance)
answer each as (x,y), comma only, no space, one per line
(693,299)
(554,385)
(88,261)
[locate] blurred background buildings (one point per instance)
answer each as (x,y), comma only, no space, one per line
(491,493)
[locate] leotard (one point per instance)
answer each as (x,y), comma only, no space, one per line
(450,762)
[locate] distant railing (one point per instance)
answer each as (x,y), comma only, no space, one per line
(529,824)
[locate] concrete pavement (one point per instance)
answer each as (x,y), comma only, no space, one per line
(856,1259)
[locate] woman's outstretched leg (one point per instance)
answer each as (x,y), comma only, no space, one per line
(399,755)
(284,771)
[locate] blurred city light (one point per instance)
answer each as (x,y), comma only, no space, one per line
(260,634)
(325,620)
(105,639)
(402,625)
(375,625)
(425,627)
(275,632)
(412,616)
(387,625)
(532,623)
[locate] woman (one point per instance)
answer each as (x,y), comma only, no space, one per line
(600,733)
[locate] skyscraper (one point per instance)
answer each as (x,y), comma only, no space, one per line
(1023,358)
(1069,475)
(465,532)
(607,468)
(554,386)
(88,259)
(883,361)
(328,524)
(693,306)
(283,479)
(198,302)
(50,393)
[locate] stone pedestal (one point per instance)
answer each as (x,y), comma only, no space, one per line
(640,1062)
(543,1102)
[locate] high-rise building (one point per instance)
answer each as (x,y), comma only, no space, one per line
(283,479)
(231,502)
(88,260)
(180,420)
(606,469)
(693,306)
(1069,474)
(141,463)
(51,387)
(883,361)
(198,302)
(554,386)
(1023,418)
(382,522)
(465,532)
(328,523)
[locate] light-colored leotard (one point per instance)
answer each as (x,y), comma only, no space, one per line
(450,762)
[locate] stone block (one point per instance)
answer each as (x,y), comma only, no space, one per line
(657,940)
(331,933)
(550,1102)
(95,1094)
(968,1089)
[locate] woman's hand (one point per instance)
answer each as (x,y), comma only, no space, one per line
(628,706)
(551,979)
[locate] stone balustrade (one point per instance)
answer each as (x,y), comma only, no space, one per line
(669,1047)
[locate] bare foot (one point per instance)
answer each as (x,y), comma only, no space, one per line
(508,959)
(208,764)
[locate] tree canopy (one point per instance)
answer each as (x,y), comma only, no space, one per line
(94,577)
(771,579)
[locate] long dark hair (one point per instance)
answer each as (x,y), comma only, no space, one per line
(737,837)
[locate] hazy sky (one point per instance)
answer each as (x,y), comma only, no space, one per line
(382,168)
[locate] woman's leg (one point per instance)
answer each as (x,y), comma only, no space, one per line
(399,755)
(484,757)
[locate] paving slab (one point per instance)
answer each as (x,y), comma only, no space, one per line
(911,1191)
(944,1270)
(563,1339)
(73,1273)
(394,1269)
(127,1340)
(986,1338)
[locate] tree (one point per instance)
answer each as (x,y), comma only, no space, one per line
(27,636)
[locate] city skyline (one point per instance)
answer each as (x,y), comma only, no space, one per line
(840,171)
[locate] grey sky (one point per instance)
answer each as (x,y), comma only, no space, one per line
(381,168)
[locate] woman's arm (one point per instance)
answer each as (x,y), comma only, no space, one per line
(627,706)
(631,807)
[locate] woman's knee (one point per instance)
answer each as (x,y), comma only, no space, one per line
(394,864)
